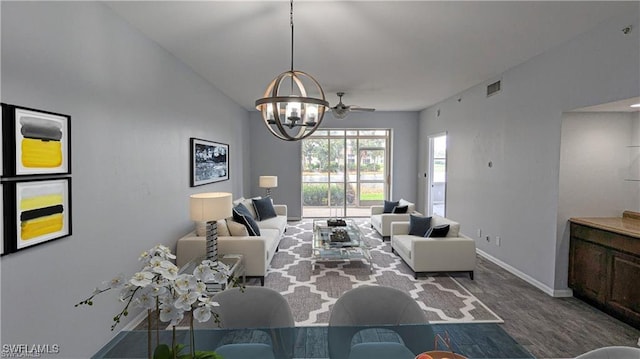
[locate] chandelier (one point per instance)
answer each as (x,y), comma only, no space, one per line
(288,109)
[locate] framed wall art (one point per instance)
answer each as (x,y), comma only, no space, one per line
(209,162)
(36,211)
(2,221)
(35,142)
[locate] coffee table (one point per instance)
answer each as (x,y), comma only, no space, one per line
(235,262)
(338,243)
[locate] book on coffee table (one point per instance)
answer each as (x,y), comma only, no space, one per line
(336,222)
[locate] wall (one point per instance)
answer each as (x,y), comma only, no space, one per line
(518,130)
(594,164)
(134,107)
(272,156)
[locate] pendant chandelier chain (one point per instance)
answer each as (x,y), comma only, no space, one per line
(291,22)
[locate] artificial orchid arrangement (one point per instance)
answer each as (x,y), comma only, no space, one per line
(159,288)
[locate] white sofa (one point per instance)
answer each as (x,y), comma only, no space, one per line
(382,221)
(453,253)
(257,250)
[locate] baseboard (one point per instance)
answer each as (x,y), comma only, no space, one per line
(557,293)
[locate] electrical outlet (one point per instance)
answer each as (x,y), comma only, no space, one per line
(479,232)
(498,241)
(488,239)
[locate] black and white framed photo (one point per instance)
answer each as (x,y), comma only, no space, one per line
(209,162)
(35,142)
(36,211)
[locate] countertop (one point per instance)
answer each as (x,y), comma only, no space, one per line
(628,224)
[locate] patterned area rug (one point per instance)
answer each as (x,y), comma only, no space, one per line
(312,292)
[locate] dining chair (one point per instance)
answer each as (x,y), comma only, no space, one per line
(382,307)
(613,352)
(255,309)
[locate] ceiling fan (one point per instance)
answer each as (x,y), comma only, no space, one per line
(340,111)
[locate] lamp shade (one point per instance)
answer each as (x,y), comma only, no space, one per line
(268,182)
(210,206)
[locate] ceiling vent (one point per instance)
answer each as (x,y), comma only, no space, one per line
(493,88)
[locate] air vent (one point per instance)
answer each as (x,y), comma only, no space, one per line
(493,89)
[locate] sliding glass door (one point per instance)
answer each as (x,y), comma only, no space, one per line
(345,171)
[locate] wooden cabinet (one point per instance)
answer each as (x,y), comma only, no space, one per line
(604,269)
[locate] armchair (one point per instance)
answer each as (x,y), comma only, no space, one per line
(382,221)
(453,253)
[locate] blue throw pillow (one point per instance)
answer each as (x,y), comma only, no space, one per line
(418,226)
(439,231)
(242,215)
(389,206)
(400,209)
(264,208)
(242,209)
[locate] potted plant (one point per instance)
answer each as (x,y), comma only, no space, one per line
(167,295)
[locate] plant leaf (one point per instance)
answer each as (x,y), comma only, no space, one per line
(162,351)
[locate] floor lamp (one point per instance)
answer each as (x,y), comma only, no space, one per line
(268,182)
(206,209)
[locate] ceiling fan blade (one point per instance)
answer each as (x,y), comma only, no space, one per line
(356,108)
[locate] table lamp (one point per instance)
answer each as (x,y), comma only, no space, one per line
(268,182)
(206,209)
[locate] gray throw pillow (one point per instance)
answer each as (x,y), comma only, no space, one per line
(389,206)
(418,225)
(242,215)
(264,208)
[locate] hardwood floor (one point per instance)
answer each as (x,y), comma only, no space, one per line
(548,327)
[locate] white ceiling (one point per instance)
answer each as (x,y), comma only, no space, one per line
(391,55)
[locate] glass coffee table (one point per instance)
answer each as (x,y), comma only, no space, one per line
(338,240)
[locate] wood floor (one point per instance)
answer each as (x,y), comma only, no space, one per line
(548,327)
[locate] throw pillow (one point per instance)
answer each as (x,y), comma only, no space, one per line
(389,206)
(418,225)
(264,208)
(223,230)
(237,229)
(248,204)
(400,209)
(240,215)
(439,231)
(404,202)
(238,201)
(242,209)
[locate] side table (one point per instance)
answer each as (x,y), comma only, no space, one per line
(235,262)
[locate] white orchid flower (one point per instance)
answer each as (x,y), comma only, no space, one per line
(116,282)
(201,287)
(185,300)
(141,279)
(126,292)
(185,283)
(202,314)
(144,256)
(144,299)
(220,277)
(169,313)
(167,270)
(166,252)
(157,290)
(208,301)
(203,272)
